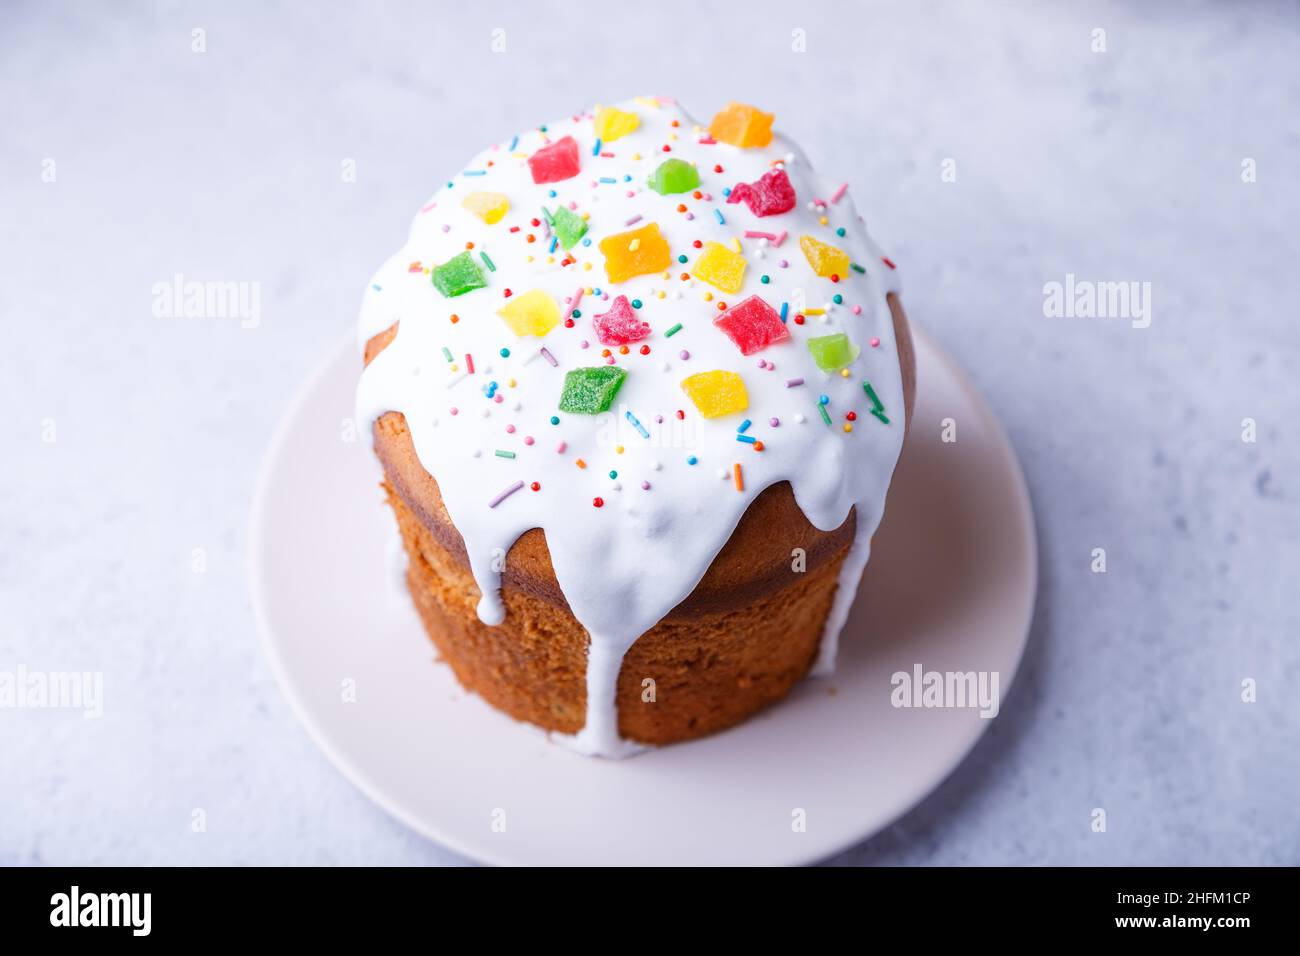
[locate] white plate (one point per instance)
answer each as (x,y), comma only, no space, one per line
(950,586)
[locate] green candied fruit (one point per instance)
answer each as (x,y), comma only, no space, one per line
(568,225)
(590,391)
(674,176)
(458,275)
(832,352)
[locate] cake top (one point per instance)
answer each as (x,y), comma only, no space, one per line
(620,328)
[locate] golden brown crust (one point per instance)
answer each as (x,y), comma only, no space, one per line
(686,677)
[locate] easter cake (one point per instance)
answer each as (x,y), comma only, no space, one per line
(638,387)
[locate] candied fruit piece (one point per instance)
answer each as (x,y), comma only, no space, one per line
(458,275)
(568,225)
(717,393)
(490,207)
(742,125)
(533,313)
(635,253)
(832,352)
(770,195)
(557,161)
(590,391)
(613,123)
(753,325)
(620,325)
(674,176)
(825,259)
(720,267)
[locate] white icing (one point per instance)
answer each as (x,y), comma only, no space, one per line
(623,566)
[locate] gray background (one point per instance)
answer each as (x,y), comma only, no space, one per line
(225,165)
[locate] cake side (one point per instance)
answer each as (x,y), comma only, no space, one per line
(691,675)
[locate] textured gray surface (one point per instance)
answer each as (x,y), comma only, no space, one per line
(225,165)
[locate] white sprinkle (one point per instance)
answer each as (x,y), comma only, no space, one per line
(657,465)
(722,473)
(798,417)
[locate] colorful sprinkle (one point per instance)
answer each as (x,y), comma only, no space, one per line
(505,494)
(637,425)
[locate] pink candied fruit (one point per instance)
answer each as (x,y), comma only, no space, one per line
(557,161)
(620,325)
(753,325)
(772,194)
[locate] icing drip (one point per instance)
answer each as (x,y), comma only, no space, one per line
(505,457)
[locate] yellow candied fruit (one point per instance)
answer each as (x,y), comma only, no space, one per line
(716,393)
(490,207)
(533,313)
(825,259)
(720,267)
(613,123)
(635,253)
(742,126)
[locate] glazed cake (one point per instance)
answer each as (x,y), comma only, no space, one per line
(638,387)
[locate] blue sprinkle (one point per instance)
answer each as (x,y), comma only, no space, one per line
(513,143)
(595,150)
(552,193)
(637,425)
(474,172)
(377,288)
(726,191)
(718,213)
(692,460)
(608,180)
(747,439)
(586,242)
(824,399)
(555,240)
(744,426)
(627,179)
(785,310)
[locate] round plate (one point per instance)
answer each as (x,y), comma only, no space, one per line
(950,586)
